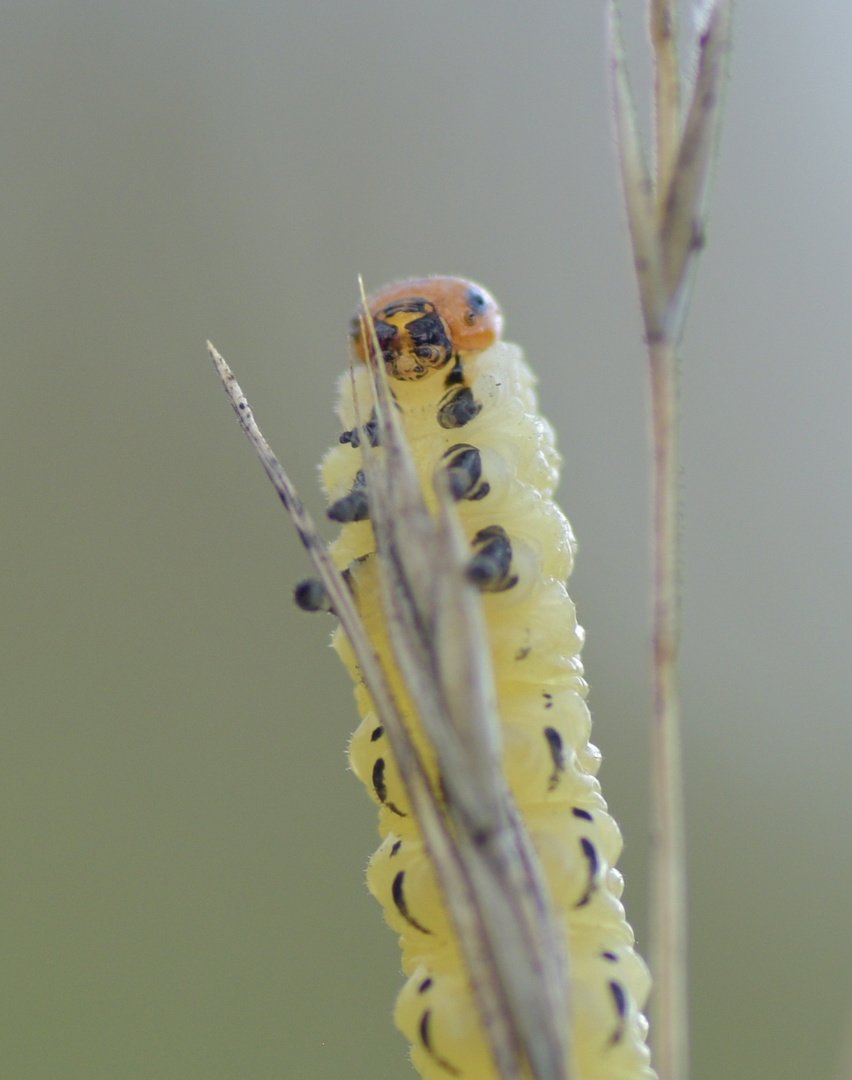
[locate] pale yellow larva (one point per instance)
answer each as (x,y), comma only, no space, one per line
(466,404)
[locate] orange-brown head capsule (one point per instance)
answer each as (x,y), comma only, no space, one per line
(423,324)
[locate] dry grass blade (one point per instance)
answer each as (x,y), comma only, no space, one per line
(665,215)
(638,187)
(682,230)
(662,24)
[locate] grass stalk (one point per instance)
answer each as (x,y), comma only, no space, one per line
(666,209)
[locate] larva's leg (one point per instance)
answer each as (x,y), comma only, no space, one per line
(311,595)
(353,436)
(354,506)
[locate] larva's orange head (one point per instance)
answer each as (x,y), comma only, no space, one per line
(423,324)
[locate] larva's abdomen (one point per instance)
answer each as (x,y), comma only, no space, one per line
(472,412)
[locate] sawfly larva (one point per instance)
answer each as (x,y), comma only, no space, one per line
(465,404)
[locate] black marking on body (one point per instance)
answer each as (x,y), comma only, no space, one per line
(428,333)
(425,985)
(548,700)
(312,595)
(379,783)
(523,653)
(489,567)
(398,894)
(380,787)
(353,437)
(354,506)
(456,373)
(557,752)
(386,332)
(584,814)
(594,865)
(395,848)
(376,733)
(619,998)
(458,408)
(610,956)
(426,1043)
(464,470)
(412,347)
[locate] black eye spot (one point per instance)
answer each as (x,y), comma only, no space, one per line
(475,301)
(475,306)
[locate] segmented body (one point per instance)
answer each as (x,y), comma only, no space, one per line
(467,404)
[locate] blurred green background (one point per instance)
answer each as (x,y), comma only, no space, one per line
(183,849)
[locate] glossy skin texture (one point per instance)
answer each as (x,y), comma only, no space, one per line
(426,323)
(467,406)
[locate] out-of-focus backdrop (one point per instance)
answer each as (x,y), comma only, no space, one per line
(183,872)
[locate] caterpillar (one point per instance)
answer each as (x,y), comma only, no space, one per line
(466,403)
